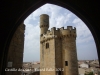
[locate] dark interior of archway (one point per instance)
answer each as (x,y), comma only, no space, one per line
(13,13)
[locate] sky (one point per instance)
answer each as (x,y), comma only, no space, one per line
(58,17)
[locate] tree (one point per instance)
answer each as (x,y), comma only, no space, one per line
(89,73)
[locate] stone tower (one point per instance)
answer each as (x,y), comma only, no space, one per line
(15,53)
(44,23)
(57,49)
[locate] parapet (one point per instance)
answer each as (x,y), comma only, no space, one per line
(44,15)
(59,33)
(69,31)
(53,29)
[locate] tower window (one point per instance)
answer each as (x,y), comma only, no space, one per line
(47,45)
(66,63)
(58,73)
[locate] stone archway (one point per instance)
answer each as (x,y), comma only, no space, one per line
(15,54)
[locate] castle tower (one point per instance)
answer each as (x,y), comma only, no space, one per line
(16,49)
(69,54)
(44,23)
(57,50)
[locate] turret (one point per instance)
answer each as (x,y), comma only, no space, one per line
(44,23)
(70,32)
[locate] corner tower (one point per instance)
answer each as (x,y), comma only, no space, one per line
(44,23)
(69,54)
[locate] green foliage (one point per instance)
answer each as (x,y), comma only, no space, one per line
(89,73)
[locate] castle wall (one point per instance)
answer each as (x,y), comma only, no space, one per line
(15,54)
(47,60)
(58,53)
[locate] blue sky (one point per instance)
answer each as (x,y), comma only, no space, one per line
(58,17)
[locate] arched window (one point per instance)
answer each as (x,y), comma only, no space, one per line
(47,45)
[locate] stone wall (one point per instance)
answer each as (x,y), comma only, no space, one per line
(16,48)
(58,52)
(69,55)
(47,56)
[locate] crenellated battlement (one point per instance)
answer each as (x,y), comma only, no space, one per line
(68,31)
(62,31)
(59,33)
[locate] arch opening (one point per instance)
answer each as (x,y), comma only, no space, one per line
(84,21)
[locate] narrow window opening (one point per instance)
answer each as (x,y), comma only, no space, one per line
(47,45)
(66,63)
(67,35)
(58,73)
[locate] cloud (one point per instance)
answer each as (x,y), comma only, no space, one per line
(86,48)
(83,32)
(31,45)
(58,17)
